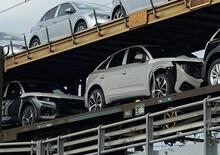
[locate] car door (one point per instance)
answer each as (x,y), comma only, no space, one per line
(11,103)
(62,27)
(49,21)
(136,76)
(113,77)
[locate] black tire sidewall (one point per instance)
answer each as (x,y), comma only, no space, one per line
(217,61)
(35,40)
(33,111)
(102,95)
(170,88)
(80,24)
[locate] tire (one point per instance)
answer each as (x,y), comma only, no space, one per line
(28,116)
(35,42)
(163,86)
(214,73)
(96,100)
(81,26)
(118,13)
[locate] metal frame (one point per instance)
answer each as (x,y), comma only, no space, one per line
(123,135)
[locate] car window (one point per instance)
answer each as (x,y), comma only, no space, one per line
(104,64)
(117,59)
(51,13)
(217,36)
(14,91)
(64,7)
(133,52)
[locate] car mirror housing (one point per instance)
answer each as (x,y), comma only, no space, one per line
(140,58)
(69,11)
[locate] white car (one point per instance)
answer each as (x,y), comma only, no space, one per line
(131,6)
(57,21)
(12,43)
(139,72)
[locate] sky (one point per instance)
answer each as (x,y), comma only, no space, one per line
(22,18)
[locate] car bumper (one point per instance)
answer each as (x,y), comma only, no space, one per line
(182,78)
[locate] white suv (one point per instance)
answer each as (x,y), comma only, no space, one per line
(140,71)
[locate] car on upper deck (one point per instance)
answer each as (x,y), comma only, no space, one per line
(66,18)
(141,71)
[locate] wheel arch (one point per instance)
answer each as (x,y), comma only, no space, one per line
(26,103)
(95,86)
(78,21)
(211,59)
(33,37)
(116,8)
(160,70)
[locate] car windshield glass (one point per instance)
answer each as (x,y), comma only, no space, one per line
(164,52)
(43,87)
(87,6)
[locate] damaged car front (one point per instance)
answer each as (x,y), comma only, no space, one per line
(183,69)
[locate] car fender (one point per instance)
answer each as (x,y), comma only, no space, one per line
(212,52)
(155,67)
(24,102)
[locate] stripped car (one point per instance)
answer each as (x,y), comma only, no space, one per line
(27,102)
(142,71)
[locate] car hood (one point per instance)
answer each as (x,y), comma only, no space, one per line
(179,59)
(52,95)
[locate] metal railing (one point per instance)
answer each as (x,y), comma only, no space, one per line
(167,126)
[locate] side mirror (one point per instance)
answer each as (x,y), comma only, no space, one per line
(69,11)
(140,58)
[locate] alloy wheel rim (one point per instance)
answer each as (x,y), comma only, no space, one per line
(80,28)
(160,88)
(215,75)
(118,14)
(35,43)
(27,118)
(95,102)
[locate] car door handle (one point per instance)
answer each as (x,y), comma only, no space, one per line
(124,73)
(54,22)
(102,77)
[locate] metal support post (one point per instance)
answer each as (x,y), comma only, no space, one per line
(149,134)
(12,50)
(60,147)
(48,39)
(207,116)
(124,14)
(1,85)
(101,140)
(40,148)
(96,21)
(153,8)
(72,32)
(26,47)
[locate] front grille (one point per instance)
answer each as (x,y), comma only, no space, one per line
(194,69)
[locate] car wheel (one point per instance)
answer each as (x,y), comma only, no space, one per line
(214,73)
(96,100)
(35,42)
(119,13)
(80,26)
(28,116)
(162,86)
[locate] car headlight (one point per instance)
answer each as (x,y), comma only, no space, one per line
(47,99)
(99,15)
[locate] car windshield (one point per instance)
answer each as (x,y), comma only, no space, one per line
(165,52)
(43,87)
(87,6)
